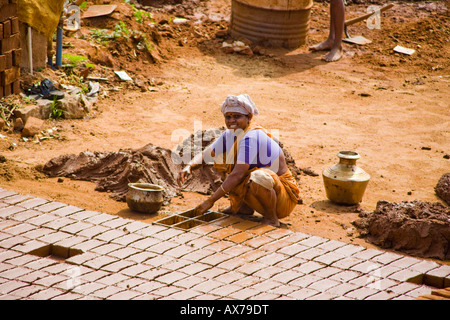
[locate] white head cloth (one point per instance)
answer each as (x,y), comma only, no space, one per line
(239,104)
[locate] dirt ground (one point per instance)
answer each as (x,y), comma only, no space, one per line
(392,109)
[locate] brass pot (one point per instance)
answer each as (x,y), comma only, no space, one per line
(345,182)
(144,197)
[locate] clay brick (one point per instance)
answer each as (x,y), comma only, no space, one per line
(6,28)
(28,204)
(88,288)
(361,293)
(50,206)
(241,237)
(323,285)
(125,295)
(16,57)
(6,90)
(46,294)
(15,25)
(343,288)
(11,286)
(11,43)
(436,277)
(287,276)
(184,295)
(9,60)
(309,267)
(7,193)
(15,87)
(10,75)
(106,292)
(16,199)
(119,265)
(99,262)
(303,293)
(2,62)
(171,277)
(1,31)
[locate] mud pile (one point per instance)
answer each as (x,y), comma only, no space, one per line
(113,171)
(417,228)
(442,188)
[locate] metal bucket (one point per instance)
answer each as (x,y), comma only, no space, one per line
(144,197)
(271,23)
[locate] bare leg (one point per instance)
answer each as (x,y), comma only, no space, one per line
(334,40)
(244,210)
(265,202)
(327,44)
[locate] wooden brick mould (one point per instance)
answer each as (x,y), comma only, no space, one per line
(10,50)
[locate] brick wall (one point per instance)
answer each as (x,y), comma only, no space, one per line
(10,48)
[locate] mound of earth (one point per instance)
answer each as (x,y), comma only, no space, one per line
(442,188)
(417,228)
(113,171)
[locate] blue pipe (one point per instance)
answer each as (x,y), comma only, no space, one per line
(59,37)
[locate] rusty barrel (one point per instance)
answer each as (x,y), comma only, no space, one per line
(271,23)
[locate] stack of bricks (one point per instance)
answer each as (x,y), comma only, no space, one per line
(10,51)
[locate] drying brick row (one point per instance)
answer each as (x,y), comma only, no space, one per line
(10,50)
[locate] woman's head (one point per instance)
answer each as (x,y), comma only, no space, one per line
(239,104)
(237,121)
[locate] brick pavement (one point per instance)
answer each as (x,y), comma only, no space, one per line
(54,251)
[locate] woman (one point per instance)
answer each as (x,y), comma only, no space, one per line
(252,164)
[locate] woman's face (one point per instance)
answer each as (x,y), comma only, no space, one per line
(235,121)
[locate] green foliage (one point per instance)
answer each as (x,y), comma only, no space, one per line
(121,30)
(141,16)
(83,5)
(74,60)
(27,100)
(101,36)
(7,107)
(56,112)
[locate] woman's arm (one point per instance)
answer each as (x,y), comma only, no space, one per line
(232,180)
(194,163)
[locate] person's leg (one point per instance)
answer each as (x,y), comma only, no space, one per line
(328,43)
(337,12)
(264,201)
(334,40)
(244,210)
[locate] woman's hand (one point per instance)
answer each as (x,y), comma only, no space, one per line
(183,175)
(204,206)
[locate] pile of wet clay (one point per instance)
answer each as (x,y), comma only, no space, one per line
(418,228)
(442,188)
(113,171)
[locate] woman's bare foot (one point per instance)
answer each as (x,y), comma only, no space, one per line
(334,55)
(271,222)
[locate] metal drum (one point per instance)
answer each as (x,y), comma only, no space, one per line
(271,23)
